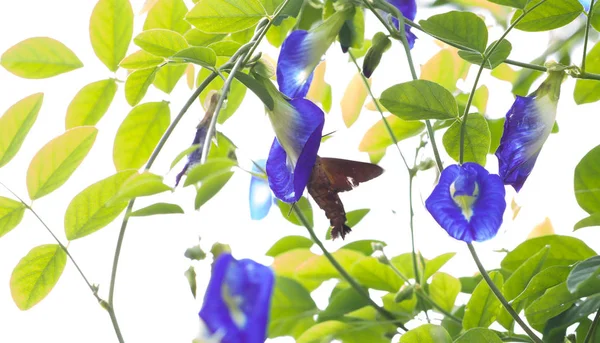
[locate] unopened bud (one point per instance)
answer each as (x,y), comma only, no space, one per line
(381,43)
(404,294)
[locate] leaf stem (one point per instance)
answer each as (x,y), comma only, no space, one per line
(486,57)
(587,32)
(590,334)
(500,297)
(343,272)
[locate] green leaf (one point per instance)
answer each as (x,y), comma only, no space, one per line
(404,263)
(213,166)
(139,133)
(354,217)
(93,209)
(479,335)
(158,208)
(521,277)
(167,14)
(237,91)
(477,139)
(36,274)
(222,16)
(167,77)
(288,243)
(564,250)
(377,137)
(111,29)
(183,154)
(39,58)
(483,306)
(196,37)
(583,329)
(210,187)
(257,88)
(287,263)
(345,301)
(542,281)
(465,28)
(550,15)
(426,333)
(345,332)
(137,84)
(593,220)
(53,164)
(587,183)
(201,56)
(371,273)
(290,215)
(90,104)
(139,185)
(161,42)
(190,275)
(418,100)
(292,309)
(364,246)
(583,272)
(595,21)
(226,48)
(11,214)
(512,3)
(557,326)
(141,60)
(195,253)
(277,34)
(496,58)
(319,267)
(16,123)
(496,127)
(444,289)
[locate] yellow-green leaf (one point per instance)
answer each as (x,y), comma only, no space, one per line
(139,133)
(111,29)
(167,14)
(353,99)
(549,15)
(426,333)
(92,209)
(444,289)
(588,91)
(483,306)
(158,208)
(210,187)
(377,137)
(371,273)
(319,91)
(213,166)
(52,166)
(91,103)
(137,84)
(167,77)
(140,60)
(236,95)
(196,37)
(161,42)
(39,58)
(11,213)
(445,68)
(36,274)
(223,16)
(202,56)
(16,123)
(139,185)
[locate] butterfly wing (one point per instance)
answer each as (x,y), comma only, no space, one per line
(345,174)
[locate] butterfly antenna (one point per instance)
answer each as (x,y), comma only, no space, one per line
(329,134)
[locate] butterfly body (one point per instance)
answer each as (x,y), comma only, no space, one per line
(331,176)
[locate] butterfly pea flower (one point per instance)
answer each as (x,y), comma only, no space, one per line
(237,302)
(528,124)
(408,8)
(261,198)
(468,202)
(302,51)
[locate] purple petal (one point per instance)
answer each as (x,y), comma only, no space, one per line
(260,195)
(528,124)
(296,64)
(483,218)
(288,178)
(247,286)
(408,8)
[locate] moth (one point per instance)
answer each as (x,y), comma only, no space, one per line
(331,176)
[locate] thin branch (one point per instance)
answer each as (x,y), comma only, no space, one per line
(591,332)
(587,32)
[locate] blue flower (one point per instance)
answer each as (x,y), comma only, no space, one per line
(237,302)
(408,8)
(302,51)
(528,124)
(261,198)
(468,202)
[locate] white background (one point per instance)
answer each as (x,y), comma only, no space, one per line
(153,301)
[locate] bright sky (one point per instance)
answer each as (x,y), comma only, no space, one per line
(153,301)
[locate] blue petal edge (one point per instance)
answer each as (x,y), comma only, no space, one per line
(296,64)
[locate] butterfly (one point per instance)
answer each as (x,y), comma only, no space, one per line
(331,176)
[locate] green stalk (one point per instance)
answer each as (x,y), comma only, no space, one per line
(500,297)
(343,272)
(587,32)
(592,330)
